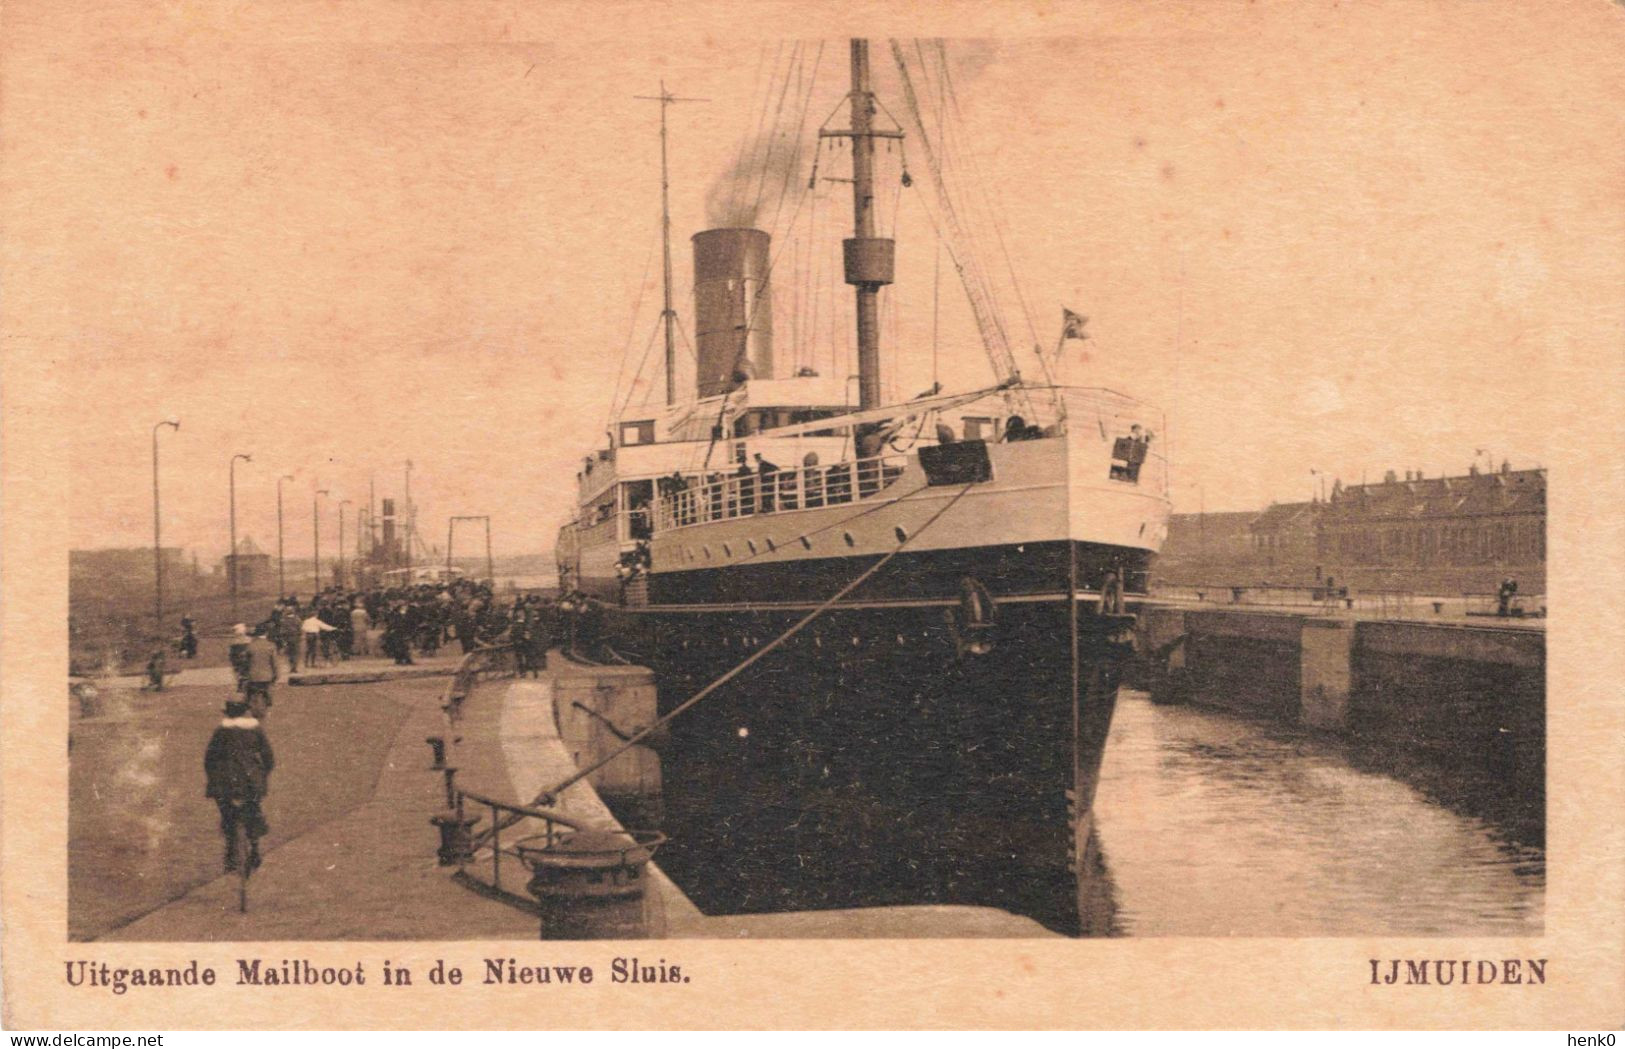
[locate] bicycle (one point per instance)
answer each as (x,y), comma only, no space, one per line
(243,857)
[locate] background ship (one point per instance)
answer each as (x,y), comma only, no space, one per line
(934,596)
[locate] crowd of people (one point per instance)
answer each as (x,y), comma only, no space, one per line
(401,622)
(338,624)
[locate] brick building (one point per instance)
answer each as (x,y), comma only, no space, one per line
(1440,535)
(1443,534)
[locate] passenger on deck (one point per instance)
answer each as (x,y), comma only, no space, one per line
(747,488)
(1016,429)
(815,479)
(1139,443)
(870,443)
(767,474)
(713,485)
(838,483)
(671,490)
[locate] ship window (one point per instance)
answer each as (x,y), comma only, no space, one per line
(849,540)
(752,544)
(901,533)
(707,551)
(770,544)
(806,543)
(727,551)
(639,432)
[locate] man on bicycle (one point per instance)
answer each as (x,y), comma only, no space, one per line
(238,765)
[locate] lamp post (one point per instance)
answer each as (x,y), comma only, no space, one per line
(231,558)
(157,533)
(342,504)
(316,536)
(281,573)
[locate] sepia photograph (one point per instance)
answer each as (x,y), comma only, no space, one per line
(847,479)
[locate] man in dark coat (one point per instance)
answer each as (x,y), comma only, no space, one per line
(261,671)
(238,765)
(767,474)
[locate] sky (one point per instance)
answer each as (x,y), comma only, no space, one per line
(1342,238)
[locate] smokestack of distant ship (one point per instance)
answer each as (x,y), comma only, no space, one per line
(733,308)
(389,528)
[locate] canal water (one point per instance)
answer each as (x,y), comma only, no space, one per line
(1217,825)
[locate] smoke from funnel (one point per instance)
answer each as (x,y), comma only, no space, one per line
(766,170)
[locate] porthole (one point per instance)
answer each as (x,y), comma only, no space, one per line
(707,551)
(752,544)
(901,533)
(727,551)
(849,540)
(771,545)
(806,543)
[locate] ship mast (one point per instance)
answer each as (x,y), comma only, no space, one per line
(869,259)
(668,315)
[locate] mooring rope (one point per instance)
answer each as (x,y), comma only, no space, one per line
(548,796)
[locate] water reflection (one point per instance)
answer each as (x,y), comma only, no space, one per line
(1215,825)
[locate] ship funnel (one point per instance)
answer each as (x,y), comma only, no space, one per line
(389,527)
(733,308)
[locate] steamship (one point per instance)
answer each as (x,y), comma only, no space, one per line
(945,586)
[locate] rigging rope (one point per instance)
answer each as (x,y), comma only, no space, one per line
(988,205)
(763,287)
(775,133)
(979,290)
(633,385)
(962,181)
(546,797)
(746,145)
(992,332)
(631,329)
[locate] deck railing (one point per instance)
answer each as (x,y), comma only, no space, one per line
(789,488)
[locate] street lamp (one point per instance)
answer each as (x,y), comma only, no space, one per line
(342,504)
(157,534)
(231,558)
(316,533)
(281,574)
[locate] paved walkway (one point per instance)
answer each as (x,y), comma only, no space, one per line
(371,874)
(368,875)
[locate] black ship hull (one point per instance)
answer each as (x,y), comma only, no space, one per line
(894,751)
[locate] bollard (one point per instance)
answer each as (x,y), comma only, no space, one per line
(590,883)
(438,744)
(456,837)
(90,700)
